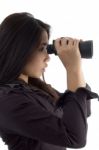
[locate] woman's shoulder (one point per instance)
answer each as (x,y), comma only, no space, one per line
(18,94)
(19,89)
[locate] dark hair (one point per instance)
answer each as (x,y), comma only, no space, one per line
(20,36)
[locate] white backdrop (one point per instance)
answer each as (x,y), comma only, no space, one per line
(75,18)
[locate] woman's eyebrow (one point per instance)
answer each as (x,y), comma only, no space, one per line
(44,43)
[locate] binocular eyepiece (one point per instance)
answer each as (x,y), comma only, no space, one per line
(85,47)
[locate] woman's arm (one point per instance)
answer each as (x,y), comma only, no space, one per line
(88,101)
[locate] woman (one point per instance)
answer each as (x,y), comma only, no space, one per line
(34,115)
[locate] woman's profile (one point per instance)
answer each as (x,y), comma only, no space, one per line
(33,114)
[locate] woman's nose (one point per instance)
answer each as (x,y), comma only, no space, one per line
(47,58)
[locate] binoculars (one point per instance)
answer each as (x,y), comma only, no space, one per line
(85,47)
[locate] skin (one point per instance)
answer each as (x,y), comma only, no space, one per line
(35,65)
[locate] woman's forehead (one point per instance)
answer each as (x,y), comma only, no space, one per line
(44,40)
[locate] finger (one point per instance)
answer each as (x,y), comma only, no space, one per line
(64,41)
(70,41)
(57,44)
(76,43)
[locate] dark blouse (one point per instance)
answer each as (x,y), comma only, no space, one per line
(31,120)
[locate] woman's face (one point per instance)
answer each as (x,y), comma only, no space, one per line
(35,67)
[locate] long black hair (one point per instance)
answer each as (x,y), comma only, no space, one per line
(20,36)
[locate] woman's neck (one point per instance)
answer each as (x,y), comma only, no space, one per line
(23,77)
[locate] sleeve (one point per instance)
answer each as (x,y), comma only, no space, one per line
(89,94)
(88,90)
(21,115)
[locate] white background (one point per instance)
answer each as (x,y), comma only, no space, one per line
(74,18)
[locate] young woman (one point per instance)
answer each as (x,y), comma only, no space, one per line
(34,115)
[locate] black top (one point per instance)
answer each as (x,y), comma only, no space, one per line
(31,120)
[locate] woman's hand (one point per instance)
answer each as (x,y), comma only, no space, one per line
(68,52)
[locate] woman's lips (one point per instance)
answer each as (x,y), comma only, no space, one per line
(46,65)
(43,69)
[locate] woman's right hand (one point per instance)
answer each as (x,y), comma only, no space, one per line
(68,52)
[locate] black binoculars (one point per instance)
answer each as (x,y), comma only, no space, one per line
(85,47)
